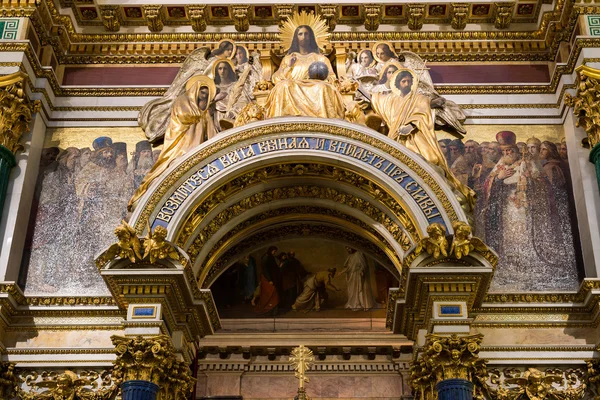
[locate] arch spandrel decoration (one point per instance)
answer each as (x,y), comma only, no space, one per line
(368,179)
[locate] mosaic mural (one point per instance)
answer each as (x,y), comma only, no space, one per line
(85,181)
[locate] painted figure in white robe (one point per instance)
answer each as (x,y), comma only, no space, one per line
(356,269)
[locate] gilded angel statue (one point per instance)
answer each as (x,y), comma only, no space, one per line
(156,247)
(462,242)
(436,243)
(128,246)
(154,116)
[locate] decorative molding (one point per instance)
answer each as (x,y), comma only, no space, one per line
(459,12)
(416,16)
(240,18)
(503,14)
(329,12)
(154,17)
(111,18)
(372,16)
(198,17)
(71,385)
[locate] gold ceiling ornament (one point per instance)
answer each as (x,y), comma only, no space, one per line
(318,26)
(301,359)
(448,357)
(533,384)
(152,359)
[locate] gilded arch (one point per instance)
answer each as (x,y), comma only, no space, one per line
(242,183)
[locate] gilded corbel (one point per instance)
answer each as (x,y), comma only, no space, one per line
(416,16)
(283,12)
(503,14)
(329,13)
(373,14)
(197,16)
(111,18)
(240,18)
(459,12)
(154,17)
(8,380)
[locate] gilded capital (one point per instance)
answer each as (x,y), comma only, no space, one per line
(240,18)
(152,359)
(503,14)
(416,16)
(16,111)
(154,17)
(197,15)
(329,13)
(585,104)
(459,13)
(372,16)
(111,18)
(447,357)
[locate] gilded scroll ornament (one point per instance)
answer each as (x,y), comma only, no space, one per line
(416,16)
(503,14)
(69,385)
(373,14)
(436,243)
(463,242)
(593,375)
(197,16)
(110,18)
(533,384)
(586,104)
(154,17)
(152,359)
(459,12)
(240,18)
(15,111)
(448,357)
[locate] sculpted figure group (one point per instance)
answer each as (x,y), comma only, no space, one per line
(214,91)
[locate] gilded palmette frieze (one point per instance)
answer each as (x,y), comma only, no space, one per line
(68,384)
(448,357)
(16,111)
(152,359)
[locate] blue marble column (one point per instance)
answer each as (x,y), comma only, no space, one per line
(454,389)
(7,162)
(139,390)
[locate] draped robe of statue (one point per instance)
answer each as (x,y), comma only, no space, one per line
(189,126)
(414,108)
(296,95)
(357,278)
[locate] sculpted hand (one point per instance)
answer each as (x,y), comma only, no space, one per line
(406,129)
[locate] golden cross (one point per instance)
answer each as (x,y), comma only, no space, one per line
(301,358)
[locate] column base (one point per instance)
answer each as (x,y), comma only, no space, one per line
(139,390)
(454,389)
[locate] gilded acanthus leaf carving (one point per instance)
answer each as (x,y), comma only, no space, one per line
(586,104)
(15,111)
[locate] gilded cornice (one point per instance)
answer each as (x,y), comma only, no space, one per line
(560,20)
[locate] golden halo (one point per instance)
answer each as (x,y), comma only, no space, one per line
(394,84)
(204,81)
(214,67)
(395,63)
(316,24)
(229,41)
(373,63)
(374,50)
